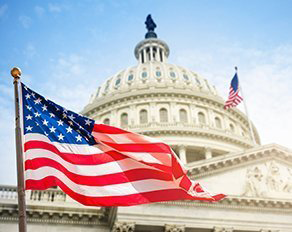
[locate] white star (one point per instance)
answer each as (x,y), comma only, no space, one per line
(69,129)
(29,128)
(65,110)
(78,138)
(64,115)
(45,122)
(52,115)
(71,117)
(61,137)
(28,107)
(45,108)
(28,117)
(60,122)
(53,129)
(87,122)
(27,96)
(37,101)
(57,109)
(71,123)
(33,94)
(37,114)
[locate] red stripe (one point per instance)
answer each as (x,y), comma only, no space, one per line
(109,156)
(140,147)
(102,180)
(108,129)
(93,159)
(133,199)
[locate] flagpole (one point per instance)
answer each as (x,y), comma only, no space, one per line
(246,112)
(16,73)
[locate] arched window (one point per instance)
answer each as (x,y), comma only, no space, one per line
(218,122)
(163,115)
(124,120)
(186,77)
(118,82)
(202,118)
(107,86)
(172,74)
(231,127)
(143,116)
(130,77)
(183,115)
(144,74)
(158,73)
(106,121)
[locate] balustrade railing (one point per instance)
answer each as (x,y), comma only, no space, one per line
(49,195)
(8,192)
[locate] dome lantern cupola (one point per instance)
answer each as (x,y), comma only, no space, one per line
(151,49)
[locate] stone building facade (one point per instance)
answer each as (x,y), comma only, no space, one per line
(178,106)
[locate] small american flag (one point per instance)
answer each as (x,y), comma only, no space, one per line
(97,164)
(233,99)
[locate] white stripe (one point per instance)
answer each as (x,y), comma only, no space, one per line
(84,149)
(145,157)
(124,138)
(101,191)
(88,170)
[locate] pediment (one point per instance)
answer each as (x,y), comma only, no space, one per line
(262,172)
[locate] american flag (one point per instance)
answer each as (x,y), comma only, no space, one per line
(233,99)
(97,164)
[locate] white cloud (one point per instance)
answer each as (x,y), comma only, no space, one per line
(71,81)
(25,21)
(30,51)
(54,8)
(3,9)
(39,11)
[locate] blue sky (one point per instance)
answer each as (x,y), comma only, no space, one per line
(66,49)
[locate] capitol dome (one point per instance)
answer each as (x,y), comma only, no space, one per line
(171,103)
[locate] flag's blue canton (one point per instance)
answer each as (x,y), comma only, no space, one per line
(43,116)
(234,82)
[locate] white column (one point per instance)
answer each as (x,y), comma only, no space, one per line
(113,117)
(145,55)
(131,115)
(163,56)
(208,153)
(152,113)
(182,154)
(140,56)
(151,54)
(173,113)
(210,118)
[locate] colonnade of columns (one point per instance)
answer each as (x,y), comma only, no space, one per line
(182,152)
(152,53)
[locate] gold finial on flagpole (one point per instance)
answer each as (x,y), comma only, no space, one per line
(16,73)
